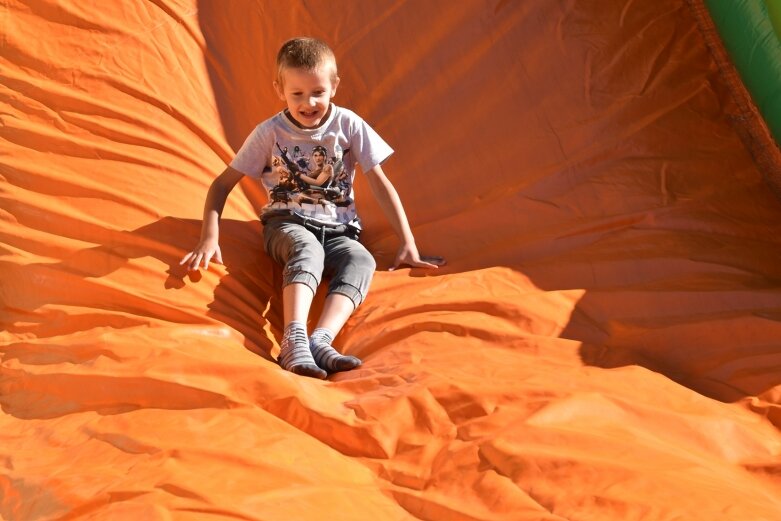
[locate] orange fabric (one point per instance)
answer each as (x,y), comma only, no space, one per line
(604,343)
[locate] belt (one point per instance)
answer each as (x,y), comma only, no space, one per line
(320,229)
(323,230)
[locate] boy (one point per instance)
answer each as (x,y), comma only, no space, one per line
(311,235)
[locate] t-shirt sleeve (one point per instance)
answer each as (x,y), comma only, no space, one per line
(253,156)
(370,149)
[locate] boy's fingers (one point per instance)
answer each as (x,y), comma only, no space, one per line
(414,264)
(434,259)
(192,264)
(196,261)
(207,257)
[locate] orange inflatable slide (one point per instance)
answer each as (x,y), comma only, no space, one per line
(604,343)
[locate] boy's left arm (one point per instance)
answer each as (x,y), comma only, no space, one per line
(389,201)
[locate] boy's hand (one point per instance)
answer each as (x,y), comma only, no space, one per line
(409,255)
(204,252)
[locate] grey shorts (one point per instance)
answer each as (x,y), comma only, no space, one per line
(308,255)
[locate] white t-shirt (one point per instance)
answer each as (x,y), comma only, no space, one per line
(310,172)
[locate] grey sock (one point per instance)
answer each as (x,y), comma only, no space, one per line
(295,355)
(326,356)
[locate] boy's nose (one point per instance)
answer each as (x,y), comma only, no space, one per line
(312,102)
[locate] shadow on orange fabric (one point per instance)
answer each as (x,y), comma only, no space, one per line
(603,343)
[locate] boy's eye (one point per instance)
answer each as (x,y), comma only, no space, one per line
(316,93)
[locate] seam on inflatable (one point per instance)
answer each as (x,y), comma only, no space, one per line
(745,118)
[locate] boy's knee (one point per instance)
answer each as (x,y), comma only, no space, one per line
(294,275)
(305,264)
(364,261)
(354,278)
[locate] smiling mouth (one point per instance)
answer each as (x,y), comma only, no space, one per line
(309,114)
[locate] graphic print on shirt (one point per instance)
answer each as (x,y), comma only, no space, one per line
(311,182)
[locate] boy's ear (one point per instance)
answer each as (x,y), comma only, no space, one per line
(335,83)
(278,90)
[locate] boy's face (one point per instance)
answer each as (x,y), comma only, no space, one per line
(307,93)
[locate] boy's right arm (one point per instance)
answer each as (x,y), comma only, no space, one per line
(208,246)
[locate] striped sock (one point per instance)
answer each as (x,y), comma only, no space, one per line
(326,356)
(295,355)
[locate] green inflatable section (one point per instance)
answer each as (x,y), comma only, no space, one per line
(751,32)
(774,10)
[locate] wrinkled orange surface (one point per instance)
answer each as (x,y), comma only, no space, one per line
(605,342)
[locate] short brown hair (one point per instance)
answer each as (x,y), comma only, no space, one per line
(305,53)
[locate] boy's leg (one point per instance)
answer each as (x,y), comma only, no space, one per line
(351,267)
(296,301)
(302,256)
(295,354)
(336,311)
